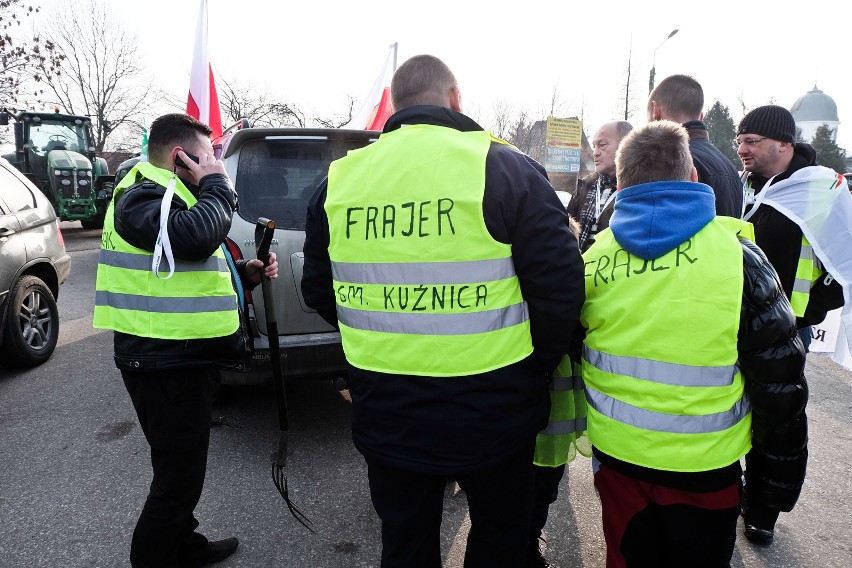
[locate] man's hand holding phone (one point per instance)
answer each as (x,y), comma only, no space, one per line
(196,167)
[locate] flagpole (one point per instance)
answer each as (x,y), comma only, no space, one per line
(394,46)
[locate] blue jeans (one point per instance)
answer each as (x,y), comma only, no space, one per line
(805,336)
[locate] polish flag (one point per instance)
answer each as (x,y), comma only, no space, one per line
(377,106)
(203,103)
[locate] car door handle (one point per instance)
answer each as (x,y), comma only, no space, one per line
(5,231)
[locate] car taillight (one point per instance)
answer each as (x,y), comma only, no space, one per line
(237,254)
(234,249)
(59,232)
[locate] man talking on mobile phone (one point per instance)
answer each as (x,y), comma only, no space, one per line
(173,294)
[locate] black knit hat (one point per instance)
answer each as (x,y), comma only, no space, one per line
(772,121)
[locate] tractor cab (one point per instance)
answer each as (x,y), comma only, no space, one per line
(57,153)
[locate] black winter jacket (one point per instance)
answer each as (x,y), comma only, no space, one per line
(771,359)
(455,425)
(716,170)
(195,234)
(781,240)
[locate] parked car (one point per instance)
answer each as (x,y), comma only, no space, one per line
(275,172)
(34,264)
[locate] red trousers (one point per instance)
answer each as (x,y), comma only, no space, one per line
(654,525)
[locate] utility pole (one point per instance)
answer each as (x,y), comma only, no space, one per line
(653,68)
(627,87)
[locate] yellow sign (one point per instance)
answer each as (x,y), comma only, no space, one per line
(564,132)
(563,143)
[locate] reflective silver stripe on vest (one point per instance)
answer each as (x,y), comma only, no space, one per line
(132,261)
(660,372)
(434,324)
(565,427)
(660,422)
(163,305)
(423,272)
(802,285)
(568,384)
(807,252)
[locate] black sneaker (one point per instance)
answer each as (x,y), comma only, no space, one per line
(758,535)
(218,550)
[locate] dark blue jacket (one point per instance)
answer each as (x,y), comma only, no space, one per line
(716,170)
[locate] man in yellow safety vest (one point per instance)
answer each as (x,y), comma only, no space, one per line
(170,290)
(685,323)
(443,256)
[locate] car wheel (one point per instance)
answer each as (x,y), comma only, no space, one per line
(32,323)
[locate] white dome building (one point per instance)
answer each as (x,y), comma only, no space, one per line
(812,110)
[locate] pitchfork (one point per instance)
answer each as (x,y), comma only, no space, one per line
(263,233)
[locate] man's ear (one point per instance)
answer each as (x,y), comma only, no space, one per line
(656,112)
(173,155)
(455,99)
(693,175)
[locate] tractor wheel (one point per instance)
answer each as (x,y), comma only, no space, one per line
(32,323)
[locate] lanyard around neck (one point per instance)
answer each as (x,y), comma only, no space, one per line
(598,208)
(163,245)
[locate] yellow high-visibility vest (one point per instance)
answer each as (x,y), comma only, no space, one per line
(421,286)
(565,434)
(197,302)
(808,271)
(663,386)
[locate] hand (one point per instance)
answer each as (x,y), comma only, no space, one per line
(207,164)
(254,269)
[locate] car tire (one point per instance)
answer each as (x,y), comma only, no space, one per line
(31,329)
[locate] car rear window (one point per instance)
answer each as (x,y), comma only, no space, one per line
(277,177)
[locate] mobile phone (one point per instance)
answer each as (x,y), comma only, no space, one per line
(181,164)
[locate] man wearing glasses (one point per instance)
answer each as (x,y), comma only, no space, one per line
(801,214)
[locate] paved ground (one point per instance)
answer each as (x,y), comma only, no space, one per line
(75,469)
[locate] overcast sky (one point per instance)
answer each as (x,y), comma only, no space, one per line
(315,53)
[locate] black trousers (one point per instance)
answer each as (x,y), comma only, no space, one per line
(410,506)
(546,491)
(174,410)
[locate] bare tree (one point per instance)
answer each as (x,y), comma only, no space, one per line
(101,71)
(260,108)
(503,119)
(24,64)
(338,121)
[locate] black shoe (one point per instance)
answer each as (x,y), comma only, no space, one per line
(535,559)
(218,550)
(758,535)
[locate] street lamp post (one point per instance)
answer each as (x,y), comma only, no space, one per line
(653,58)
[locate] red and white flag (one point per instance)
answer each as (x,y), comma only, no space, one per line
(203,102)
(377,105)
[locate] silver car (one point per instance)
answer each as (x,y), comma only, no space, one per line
(33,264)
(275,172)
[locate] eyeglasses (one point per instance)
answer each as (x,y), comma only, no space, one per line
(750,142)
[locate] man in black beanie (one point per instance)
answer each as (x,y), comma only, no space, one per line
(781,180)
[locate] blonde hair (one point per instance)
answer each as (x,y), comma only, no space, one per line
(658,151)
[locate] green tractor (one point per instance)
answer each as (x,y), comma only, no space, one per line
(57,153)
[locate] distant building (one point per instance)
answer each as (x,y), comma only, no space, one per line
(812,110)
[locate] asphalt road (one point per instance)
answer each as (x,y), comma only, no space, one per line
(74,469)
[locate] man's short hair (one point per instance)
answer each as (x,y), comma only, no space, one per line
(422,80)
(658,151)
(623,128)
(681,95)
(170,130)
